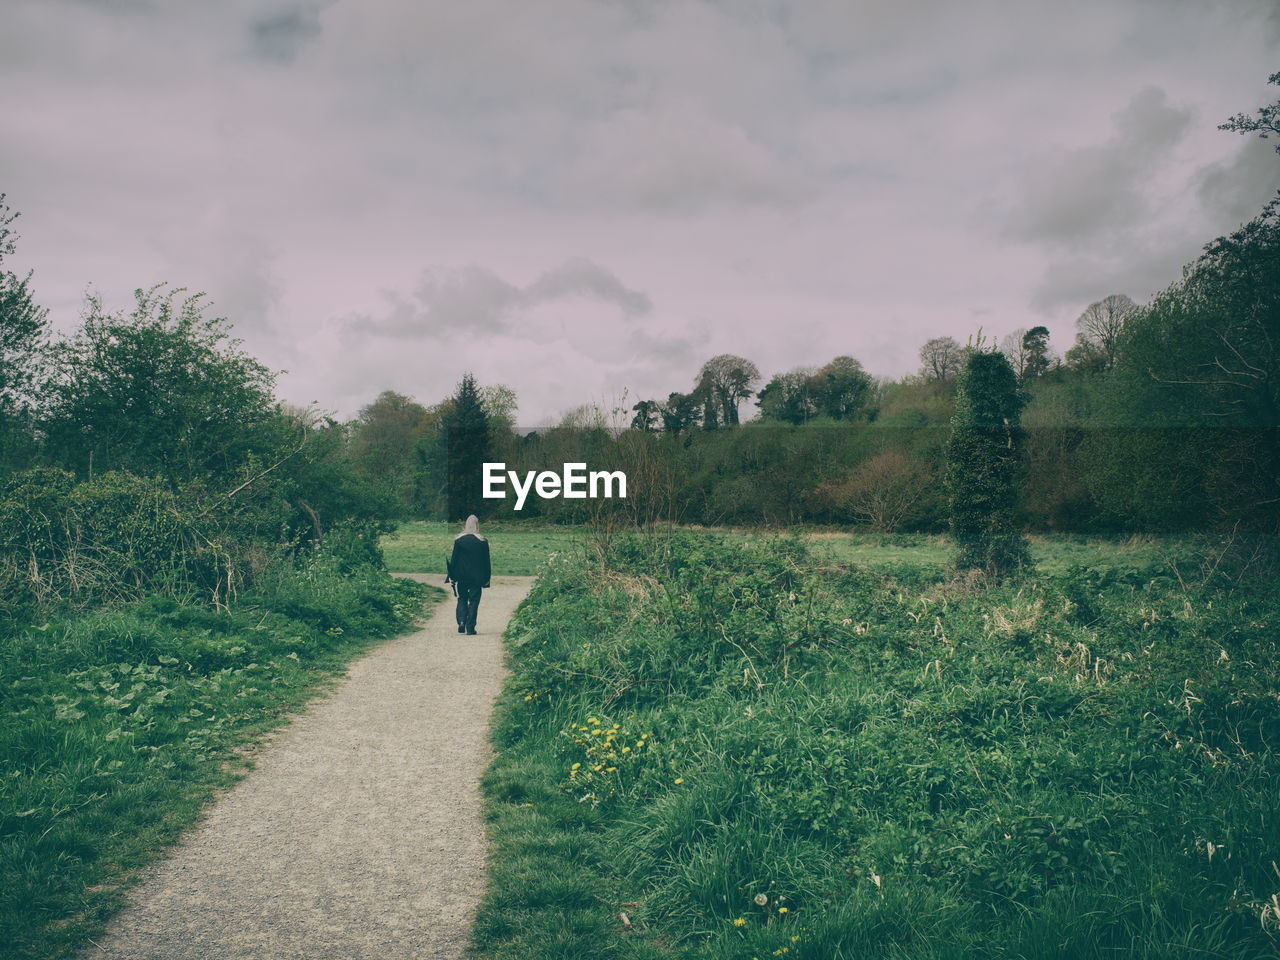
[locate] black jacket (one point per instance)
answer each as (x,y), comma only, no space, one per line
(470,561)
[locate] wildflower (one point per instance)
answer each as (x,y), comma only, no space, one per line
(782,910)
(739,922)
(761,899)
(679,780)
(575,766)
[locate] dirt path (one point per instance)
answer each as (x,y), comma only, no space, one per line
(358,833)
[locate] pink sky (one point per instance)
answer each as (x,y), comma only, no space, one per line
(579,198)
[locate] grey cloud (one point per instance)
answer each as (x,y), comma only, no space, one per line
(280,37)
(672,351)
(679,159)
(1082,196)
(1070,284)
(581,277)
(1233,191)
(476,300)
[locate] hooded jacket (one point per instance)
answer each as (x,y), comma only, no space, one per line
(469,563)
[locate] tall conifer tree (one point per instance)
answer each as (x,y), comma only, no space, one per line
(467,435)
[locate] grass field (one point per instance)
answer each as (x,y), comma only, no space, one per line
(520,549)
(751,750)
(116,727)
(932,555)
(515,549)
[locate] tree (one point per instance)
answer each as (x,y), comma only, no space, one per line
(679,412)
(842,388)
(1203,361)
(882,492)
(466,430)
(942,358)
(648,414)
(1027,352)
(1101,323)
(500,404)
(790,397)
(983,466)
(727,380)
(1015,352)
(1085,357)
(22,333)
(1036,355)
(163,391)
(385,436)
(1264,124)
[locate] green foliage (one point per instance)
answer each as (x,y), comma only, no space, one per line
(383,442)
(983,466)
(1197,388)
(113,538)
(22,332)
(837,391)
(163,391)
(116,727)
(746,750)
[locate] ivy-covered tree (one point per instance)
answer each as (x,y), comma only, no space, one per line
(983,466)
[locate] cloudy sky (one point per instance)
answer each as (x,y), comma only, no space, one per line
(577,197)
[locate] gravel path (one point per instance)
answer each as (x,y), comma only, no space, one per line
(358,832)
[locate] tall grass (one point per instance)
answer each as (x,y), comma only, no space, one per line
(752,751)
(117,726)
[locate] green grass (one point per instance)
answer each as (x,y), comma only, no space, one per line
(117,727)
(515,548)
(932,555)
(753,751)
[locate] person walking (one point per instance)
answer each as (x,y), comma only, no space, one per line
(469,570)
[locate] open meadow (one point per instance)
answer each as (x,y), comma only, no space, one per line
(518,549)
(752,747)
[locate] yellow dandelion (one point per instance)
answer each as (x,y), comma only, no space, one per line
(679,780)
(739,922)
(782,910)
(575,766)
(626,749)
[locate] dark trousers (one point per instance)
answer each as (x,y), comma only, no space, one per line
(468,604)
